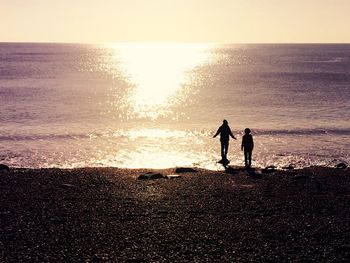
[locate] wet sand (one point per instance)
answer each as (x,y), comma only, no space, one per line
(107,215)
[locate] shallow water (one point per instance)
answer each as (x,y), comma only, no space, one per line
(158,105)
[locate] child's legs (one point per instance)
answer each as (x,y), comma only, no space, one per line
(245,158)
(250,158)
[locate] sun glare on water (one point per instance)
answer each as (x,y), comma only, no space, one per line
(151,79)
(157,71)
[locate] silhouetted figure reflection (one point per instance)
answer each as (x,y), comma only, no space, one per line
(225,133)
(247,145)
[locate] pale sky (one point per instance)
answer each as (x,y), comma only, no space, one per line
(227,21)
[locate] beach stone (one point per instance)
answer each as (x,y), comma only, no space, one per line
(341,166)
(172,176)
(289,167)
(150,175)
(4,167)
(185,170)
(269,169)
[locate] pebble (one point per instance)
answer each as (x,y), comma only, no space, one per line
(269,169)
(4,167)
(341,166)
(172,176)
(185,170)
(289,167)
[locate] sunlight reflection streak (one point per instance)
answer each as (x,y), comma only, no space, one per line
(157,72)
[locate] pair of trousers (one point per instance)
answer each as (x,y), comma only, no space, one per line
(224,149)
(248,158)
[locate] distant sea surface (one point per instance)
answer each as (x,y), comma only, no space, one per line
(157,105)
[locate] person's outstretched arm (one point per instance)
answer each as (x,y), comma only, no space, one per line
(252,143)
(217,133)
(233,137)
(242,143)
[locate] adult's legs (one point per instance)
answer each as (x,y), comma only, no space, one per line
(224,149)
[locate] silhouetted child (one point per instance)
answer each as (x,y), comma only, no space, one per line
(247,145)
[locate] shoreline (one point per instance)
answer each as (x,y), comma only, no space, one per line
(108,215)
(238,167)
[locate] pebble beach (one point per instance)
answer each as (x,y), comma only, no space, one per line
(110,215)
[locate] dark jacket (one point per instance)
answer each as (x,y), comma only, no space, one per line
(247,142)
(225,133)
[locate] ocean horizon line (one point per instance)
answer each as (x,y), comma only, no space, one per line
(175,42)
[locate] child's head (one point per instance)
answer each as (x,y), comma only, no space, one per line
(247,131)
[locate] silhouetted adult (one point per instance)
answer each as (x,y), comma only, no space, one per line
(225,133)
(248,146)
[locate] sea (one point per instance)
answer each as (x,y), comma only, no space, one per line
(158,105)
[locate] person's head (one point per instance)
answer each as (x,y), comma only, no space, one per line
(247,131)
(225,122)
